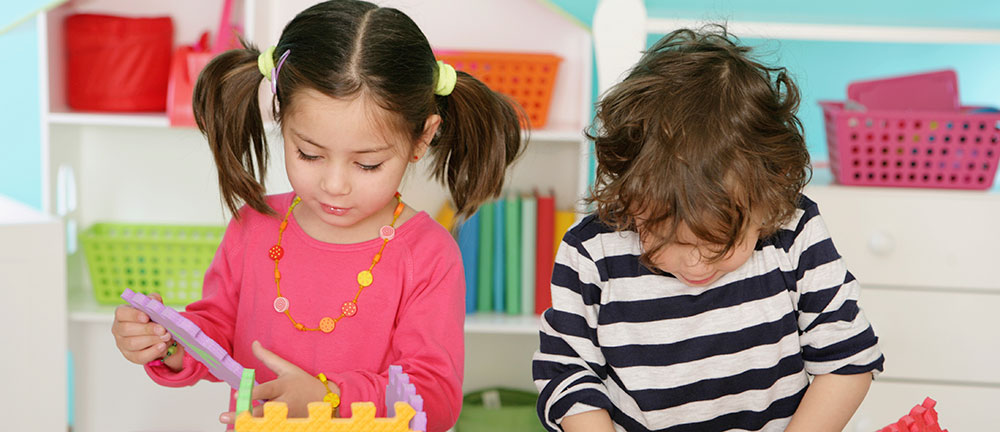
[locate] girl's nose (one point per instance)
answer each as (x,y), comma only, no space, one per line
(336,182)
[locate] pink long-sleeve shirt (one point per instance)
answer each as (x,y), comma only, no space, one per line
(412,315)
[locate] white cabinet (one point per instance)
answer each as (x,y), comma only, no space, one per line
(135,168)
(32,281)
(926,261)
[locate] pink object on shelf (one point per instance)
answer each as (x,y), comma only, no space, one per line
(934,91)
(927,149)
(195,342)
(399,389)
(922,418)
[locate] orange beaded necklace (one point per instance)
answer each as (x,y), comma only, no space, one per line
(365,278)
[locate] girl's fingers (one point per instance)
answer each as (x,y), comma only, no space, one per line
(149,354)
(128,329)
(265,391)
(139,343)
(130,314)
(273,361)
(228,417)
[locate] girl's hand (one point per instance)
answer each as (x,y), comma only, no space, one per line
(293,386)
(139,339)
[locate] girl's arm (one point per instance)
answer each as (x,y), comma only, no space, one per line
(590,421)
(214,314)
(830,402)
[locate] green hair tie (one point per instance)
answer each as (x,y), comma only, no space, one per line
(446,78)
(265,62)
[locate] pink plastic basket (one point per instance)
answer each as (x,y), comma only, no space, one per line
(928,149)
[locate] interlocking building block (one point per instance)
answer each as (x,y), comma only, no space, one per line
(403,404)
(362,419)
(922,418)
(198,344)
(400,390)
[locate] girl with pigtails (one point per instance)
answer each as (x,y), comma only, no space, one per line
(322,288)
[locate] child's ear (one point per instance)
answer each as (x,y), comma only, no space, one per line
(424,142)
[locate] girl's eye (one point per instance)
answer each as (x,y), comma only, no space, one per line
(370,167)
(304,156)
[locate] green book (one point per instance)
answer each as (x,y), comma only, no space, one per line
(484,299)
(512,240)
(529,221)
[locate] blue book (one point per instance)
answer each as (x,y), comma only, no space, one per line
(468,244)
(484,300)
(499,272)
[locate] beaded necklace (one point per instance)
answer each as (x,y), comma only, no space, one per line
(365,278)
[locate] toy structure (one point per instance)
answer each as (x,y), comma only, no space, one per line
(198,344)
(922,418)
(402,403)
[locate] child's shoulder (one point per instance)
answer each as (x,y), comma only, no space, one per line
(423,232)
(596,238)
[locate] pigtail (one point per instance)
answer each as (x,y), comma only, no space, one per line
(479,137)
(228,114)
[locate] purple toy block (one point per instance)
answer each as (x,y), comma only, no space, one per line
(195,342)
(400,390)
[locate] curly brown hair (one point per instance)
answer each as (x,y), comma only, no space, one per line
(699,133)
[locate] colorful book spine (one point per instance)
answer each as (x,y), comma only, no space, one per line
(468,244)
(484,296)
(446,216)
(529,221)
(512,244)
(564,221)
(544,255)
(499,256)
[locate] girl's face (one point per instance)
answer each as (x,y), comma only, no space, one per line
(343,166)
(687,257)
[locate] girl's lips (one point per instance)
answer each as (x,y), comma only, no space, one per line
(699,281)
(336,211)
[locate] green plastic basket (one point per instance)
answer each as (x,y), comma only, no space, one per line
(167,259)
(515,413)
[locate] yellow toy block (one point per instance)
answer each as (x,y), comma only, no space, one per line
(362,419)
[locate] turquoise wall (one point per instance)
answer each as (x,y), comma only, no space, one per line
(20,116)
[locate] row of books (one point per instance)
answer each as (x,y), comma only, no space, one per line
(508,250)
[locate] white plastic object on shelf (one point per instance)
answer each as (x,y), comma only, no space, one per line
(881,243)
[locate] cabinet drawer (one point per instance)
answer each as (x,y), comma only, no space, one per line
(936,335)
(915,238)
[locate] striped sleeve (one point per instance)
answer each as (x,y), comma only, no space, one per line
(835,335)
(569,367)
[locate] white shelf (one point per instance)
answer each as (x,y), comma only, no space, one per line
(159,120)
(495,323)
(155,120)
(83,309)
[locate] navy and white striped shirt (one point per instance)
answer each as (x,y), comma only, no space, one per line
(659,355)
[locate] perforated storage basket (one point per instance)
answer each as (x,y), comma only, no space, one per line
(527,78)
(167,259)
(927,149)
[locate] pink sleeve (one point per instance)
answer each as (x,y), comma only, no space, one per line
(429,339)
(215,313)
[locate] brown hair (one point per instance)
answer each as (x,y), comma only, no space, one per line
(699,132)
(343,49)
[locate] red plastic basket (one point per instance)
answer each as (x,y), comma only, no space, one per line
(927,149)
(527,78)
(116,63)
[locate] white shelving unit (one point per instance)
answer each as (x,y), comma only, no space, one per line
(136,168)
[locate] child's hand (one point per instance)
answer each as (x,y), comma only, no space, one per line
(293,386)
(139,339)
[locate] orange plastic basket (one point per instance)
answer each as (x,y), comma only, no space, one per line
(527,78)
